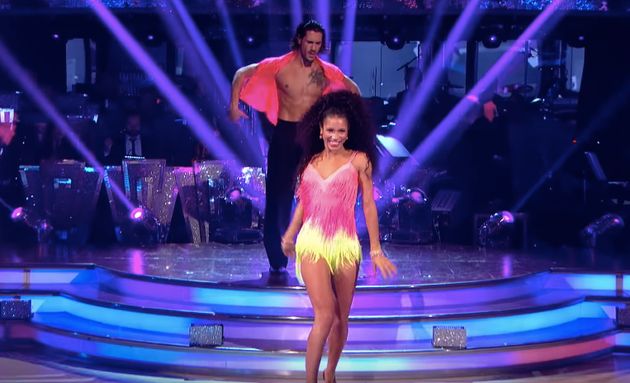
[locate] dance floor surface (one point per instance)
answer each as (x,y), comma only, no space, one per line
(247,263)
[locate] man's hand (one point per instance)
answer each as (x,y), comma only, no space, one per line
(236,114)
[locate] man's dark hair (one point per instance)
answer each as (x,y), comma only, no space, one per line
(305,26)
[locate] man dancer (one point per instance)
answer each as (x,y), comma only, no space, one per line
(284,88)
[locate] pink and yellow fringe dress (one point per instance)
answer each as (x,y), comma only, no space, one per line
(328,230)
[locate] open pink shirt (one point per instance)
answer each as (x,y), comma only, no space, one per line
(260,90)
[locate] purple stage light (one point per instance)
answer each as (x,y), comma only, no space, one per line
(448,126)
(609,223)
(506,216)
(507,266)
(394,41)
(496,230)
(186,31)
(30,87)
(416,100)
(322,13)
(205,65)
(200,127)
(18,214)
(491,40)
(349,21)
(296,13)
(231,36)
(137,214)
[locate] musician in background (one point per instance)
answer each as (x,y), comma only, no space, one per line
(133,141)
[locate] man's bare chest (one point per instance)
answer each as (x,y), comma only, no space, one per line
(301,82)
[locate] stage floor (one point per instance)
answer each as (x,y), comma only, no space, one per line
(247,263)
(98,325)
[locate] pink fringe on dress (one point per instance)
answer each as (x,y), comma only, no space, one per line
(329,228)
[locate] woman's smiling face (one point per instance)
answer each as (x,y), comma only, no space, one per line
(334,131)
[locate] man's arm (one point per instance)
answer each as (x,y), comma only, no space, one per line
(237,84)
(351,85)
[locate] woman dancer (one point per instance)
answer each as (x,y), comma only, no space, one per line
(339,153)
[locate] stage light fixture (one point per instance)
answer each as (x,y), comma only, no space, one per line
(143,227)
(18,214)
(392,33)
(137,214)
(251,39)
(394,40)
(41,226)
(236,219)
(577,41)
(607,225)
(415,221)
(491,41)
(497,230)
(492,36)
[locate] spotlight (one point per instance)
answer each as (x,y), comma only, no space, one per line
(382,193)
(415,221)
(236,219)
(236,210)
(491,41)
(142,228)
(251,40)
(235,195)
(151,38)
(492,37)
(577,41)
(18,214)
(137,214)
(606,225)
(497,230)
(41,226)
(394,41)
(392,33)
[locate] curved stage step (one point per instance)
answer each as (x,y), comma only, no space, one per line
(114,317)
(226,361)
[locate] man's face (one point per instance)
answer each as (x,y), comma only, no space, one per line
(133,125)
(310,45)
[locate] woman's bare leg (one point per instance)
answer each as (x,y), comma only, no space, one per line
(344,283)
(318,282)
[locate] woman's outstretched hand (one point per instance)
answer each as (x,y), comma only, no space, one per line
(288,247)
(383,264)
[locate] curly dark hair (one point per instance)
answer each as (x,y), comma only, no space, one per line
(361,129)
(300,32)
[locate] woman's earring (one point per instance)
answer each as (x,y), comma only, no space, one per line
(320,137)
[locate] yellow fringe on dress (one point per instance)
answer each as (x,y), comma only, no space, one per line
(339,251)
